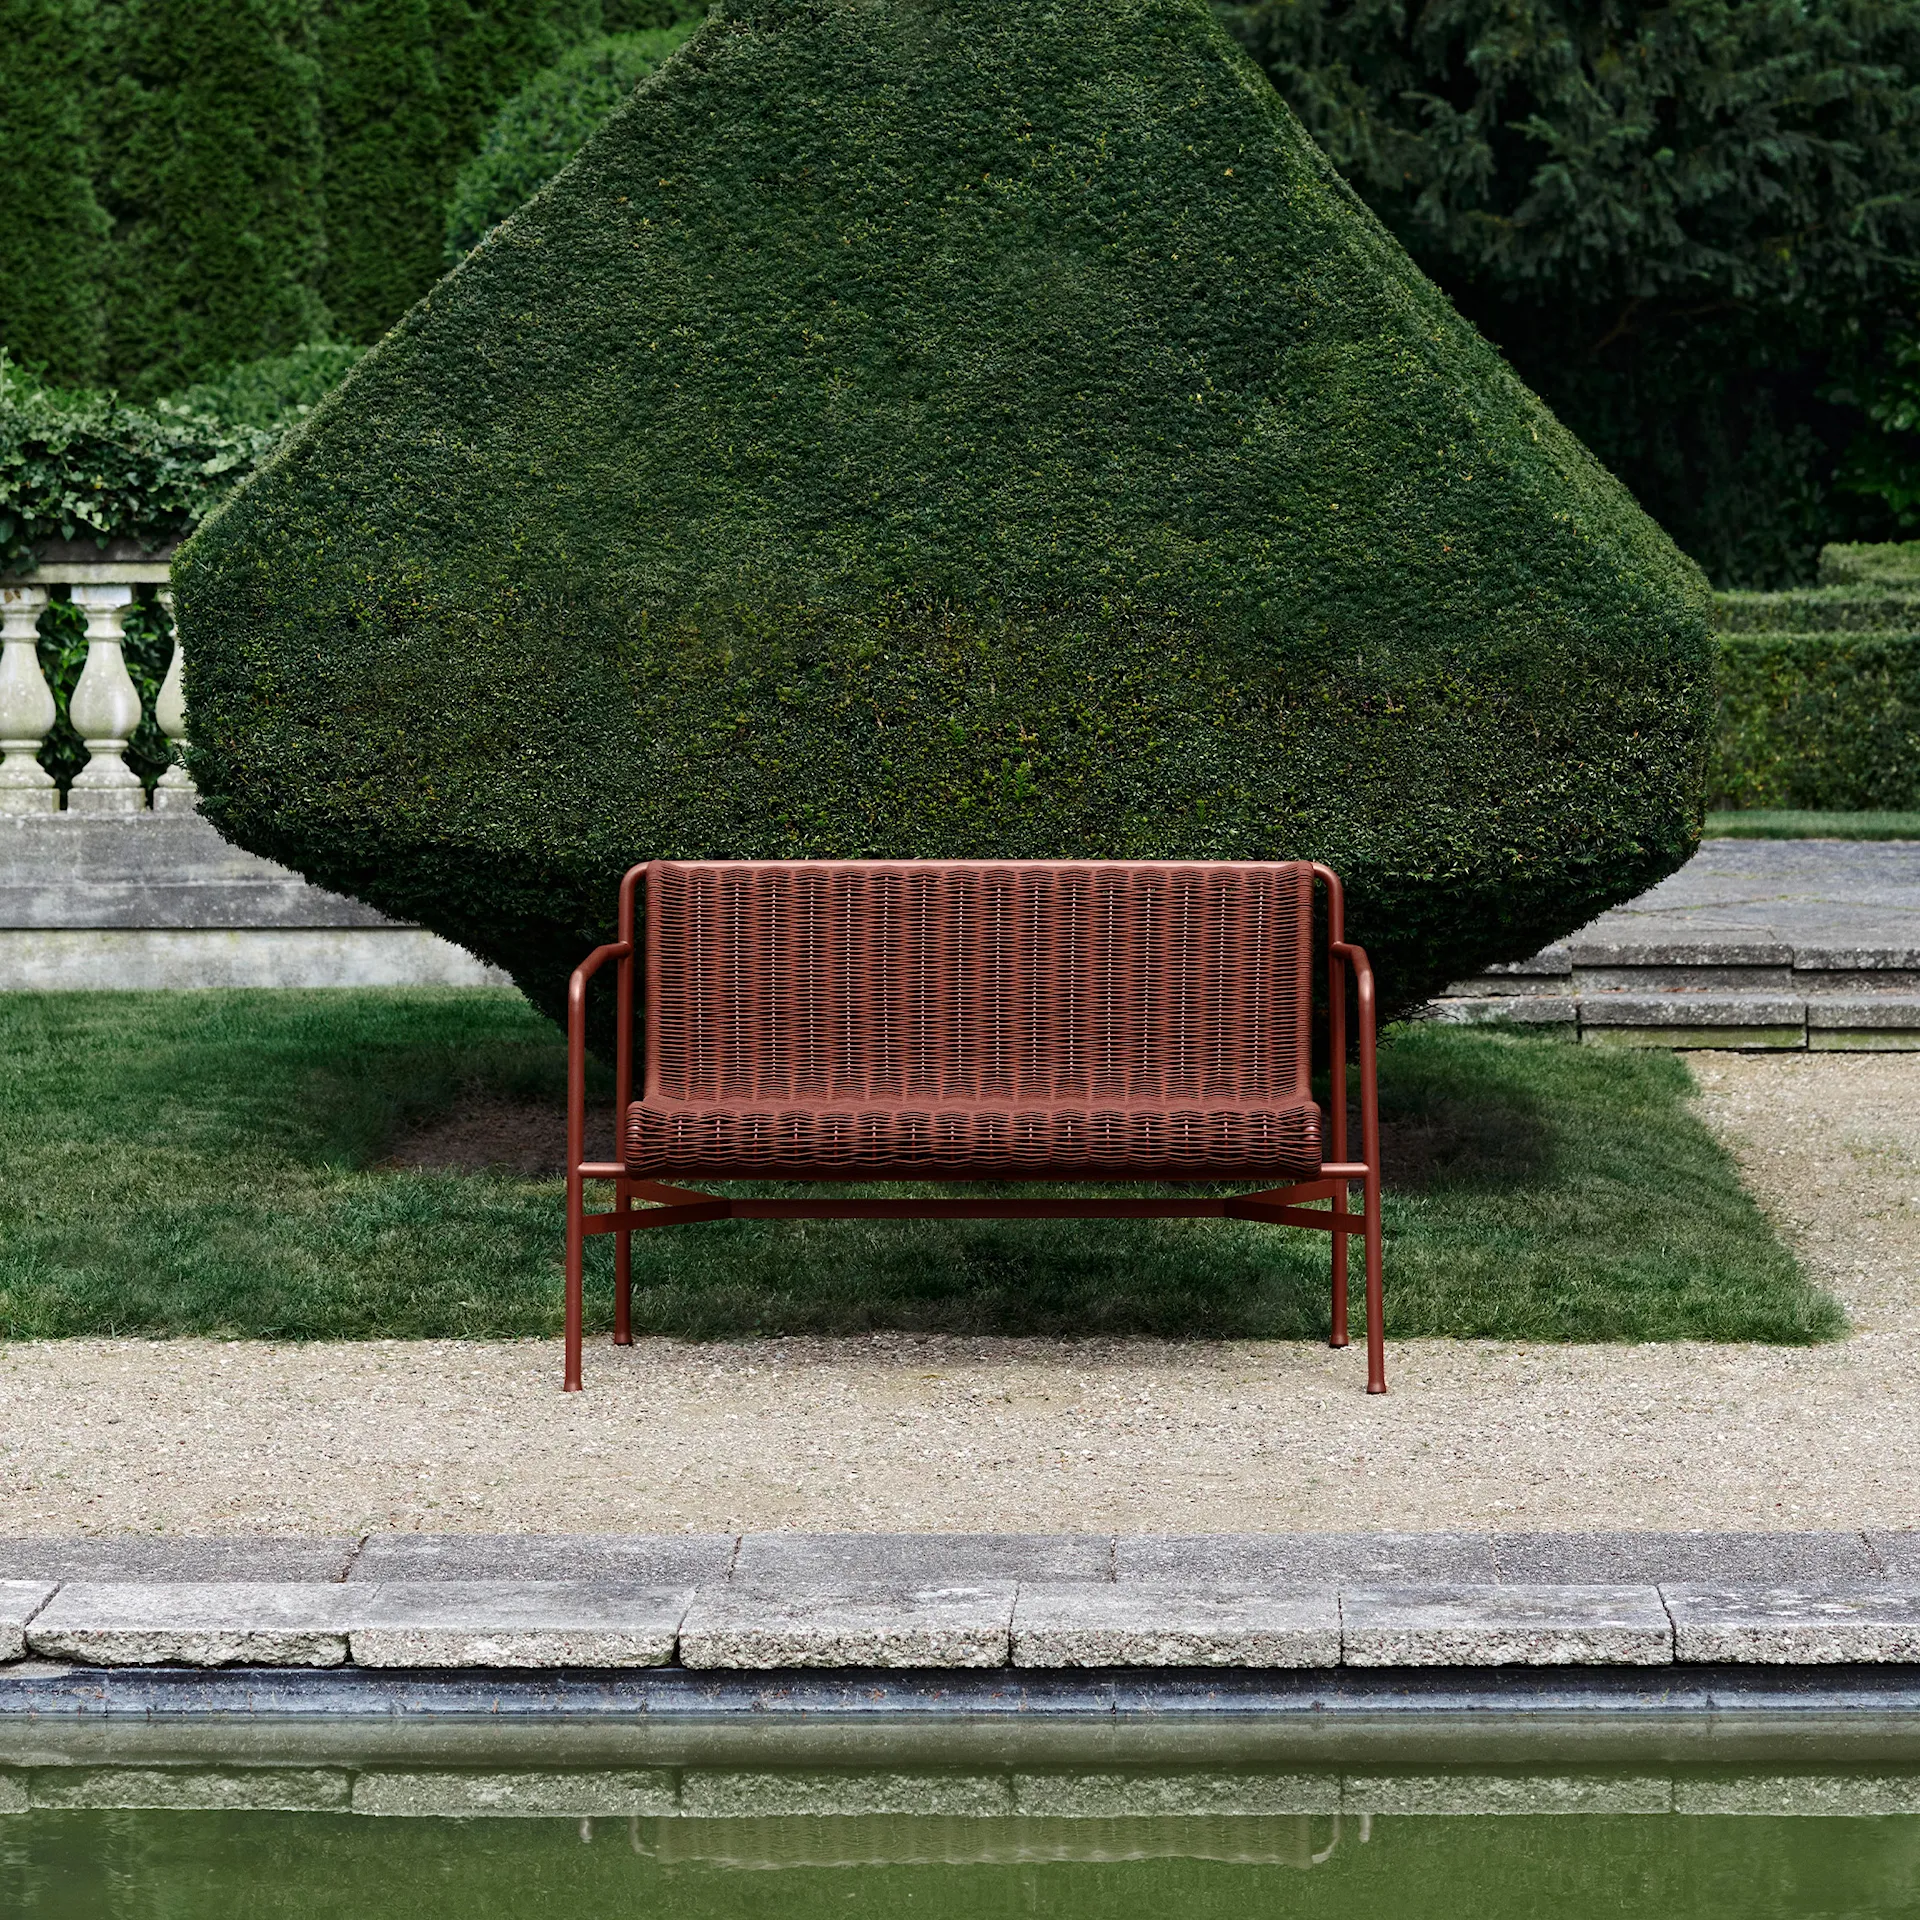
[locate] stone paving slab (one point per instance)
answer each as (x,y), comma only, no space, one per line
(1433,1625)
(1179,1607)
(1897,1555)
(20,1600)
(716,1794)
(138,1557)
(194,1624)
(1631,1559)
(1137,1624)
(1861,894)
(852,1626)
(602,1794)
(1304,1559)
(509,1623)
(921,1559)
(1184,1795)
(1862,1012)
(672,1560)
(1794,1625)
(1752,945)
(641,1559)
(193,1789)
(1453,1794)
(1693,1010)
(1852,1796)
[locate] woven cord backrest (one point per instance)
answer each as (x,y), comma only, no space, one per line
(818,983)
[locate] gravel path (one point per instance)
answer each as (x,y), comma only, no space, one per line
(899,1432)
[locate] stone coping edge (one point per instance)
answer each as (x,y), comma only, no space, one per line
(1005,1628)
(37,1690)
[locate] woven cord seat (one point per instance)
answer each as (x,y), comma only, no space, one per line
(963,1021)
(692,1139)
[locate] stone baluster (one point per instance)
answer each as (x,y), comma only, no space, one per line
(105,709)
(176,791)
(27,712)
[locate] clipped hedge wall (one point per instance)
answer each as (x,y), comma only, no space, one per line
(409,88)
(1892,563)
(1820,690)
(1871,609)
(1824,720)
(988,433)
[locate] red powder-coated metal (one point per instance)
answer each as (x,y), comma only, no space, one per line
(892,1020)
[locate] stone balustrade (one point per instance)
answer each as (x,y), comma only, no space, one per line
(104,708)
(103,892)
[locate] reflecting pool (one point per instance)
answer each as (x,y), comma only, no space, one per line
(1477,1822)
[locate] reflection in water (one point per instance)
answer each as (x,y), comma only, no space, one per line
(81,1835)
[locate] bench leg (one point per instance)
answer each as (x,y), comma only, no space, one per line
(1338,1337)
(1376,1308)
(576,1269)
(623,1273)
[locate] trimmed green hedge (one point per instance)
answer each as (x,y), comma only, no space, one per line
(1818,720)
(1894,563)
(987,432)
(1869,609)
(409,88)
(1820,690)
(53,241)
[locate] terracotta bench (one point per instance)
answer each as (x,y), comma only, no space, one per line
(1017,1020)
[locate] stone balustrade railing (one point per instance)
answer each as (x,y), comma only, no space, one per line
(104,707)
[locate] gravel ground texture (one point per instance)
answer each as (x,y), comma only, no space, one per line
(907,1433)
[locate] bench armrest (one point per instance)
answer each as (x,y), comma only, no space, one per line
(1361,968)
(577,1051)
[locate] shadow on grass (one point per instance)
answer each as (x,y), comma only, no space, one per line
(213,1163)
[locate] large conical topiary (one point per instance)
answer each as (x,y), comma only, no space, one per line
(955,428)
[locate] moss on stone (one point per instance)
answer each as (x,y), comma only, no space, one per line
(953,430)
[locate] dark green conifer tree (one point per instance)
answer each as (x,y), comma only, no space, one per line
(387,139)
(52,231)
(411,86)
(212,176)
(1688,223)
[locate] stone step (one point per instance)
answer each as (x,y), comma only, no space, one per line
(1703,1017)
(1663,966)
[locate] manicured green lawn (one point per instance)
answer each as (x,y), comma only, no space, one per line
(207,1163)
(1775,824)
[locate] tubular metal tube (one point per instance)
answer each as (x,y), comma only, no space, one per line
(1356,958)
(577,1152)
(1337,1091)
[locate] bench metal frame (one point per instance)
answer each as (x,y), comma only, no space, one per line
(670,1205)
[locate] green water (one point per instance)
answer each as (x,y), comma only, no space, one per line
(154,1831)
